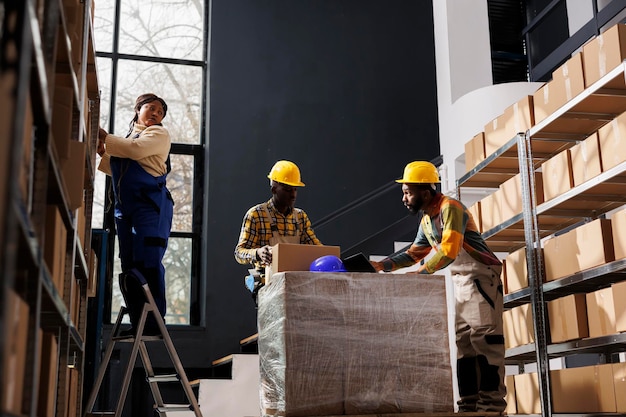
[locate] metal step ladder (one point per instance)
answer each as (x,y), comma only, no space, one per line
(139,346)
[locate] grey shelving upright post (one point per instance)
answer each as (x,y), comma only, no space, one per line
(534,263)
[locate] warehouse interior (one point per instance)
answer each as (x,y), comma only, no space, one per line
(520,105)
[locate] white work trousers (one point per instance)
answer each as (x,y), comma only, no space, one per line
(479,334)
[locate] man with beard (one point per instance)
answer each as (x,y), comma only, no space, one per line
(448,228)
(275,221)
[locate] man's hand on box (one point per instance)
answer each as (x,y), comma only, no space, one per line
(264,255)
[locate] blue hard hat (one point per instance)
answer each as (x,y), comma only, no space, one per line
(327,263)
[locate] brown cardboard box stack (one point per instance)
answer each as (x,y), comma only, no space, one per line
(567,82)
(354,343)
(518,326)
(618,225)
(585,159)
(527,394)
(557,175)
(518,117)
(49,368)
(16,338)
(587,389)
(584,247)
(511,195)
(55,246)
(601,312)
(511,401)
(612,137)
(592,389)
(568,318)
(475,151)
(516,271)
(491,210)
(603,53)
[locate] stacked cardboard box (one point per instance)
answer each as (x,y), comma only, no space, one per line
(612,137)
(567,82)
(585,160)
(475,151)
(354,343)
(584,247)
(603,53)
(568,318)
(518,326)
(16,339)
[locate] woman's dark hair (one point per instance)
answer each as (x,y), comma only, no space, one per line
(144,99)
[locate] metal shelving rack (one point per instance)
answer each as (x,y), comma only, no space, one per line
(582,116)
(35,48)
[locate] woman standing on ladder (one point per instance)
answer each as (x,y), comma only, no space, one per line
(138,165)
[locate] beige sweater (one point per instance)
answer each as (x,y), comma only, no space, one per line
(150,149)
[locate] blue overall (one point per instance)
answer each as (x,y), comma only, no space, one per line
(143,217)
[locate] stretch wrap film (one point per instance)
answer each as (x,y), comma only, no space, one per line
(354,343)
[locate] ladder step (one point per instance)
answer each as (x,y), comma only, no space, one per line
(164,378)
(131,338)
(173,407)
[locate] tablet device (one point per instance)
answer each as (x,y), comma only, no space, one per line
(358,263)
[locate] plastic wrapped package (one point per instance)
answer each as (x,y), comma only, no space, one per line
(354,343)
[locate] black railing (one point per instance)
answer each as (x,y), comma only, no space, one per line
(374,242)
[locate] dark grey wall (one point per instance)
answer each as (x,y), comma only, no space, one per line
(346,89)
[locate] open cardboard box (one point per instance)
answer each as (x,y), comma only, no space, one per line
(296,257)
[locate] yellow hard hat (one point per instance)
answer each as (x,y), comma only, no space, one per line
(286,172)
(420,172)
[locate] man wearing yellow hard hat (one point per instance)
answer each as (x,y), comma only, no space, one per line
(275,221)
(448,228)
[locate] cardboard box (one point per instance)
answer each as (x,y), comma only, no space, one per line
(475,213)
(612,137)
(603,53)
(516,270)
(511,195)
(55,247)
(584,247)
(585,159)
(567,82)
(619,386)
(517,118)
(496,134)
(557,175)
(568,318)
(618,225)
(521,116)
(587,389)
(619,305)
(601,313)
(16,346)
(475,151)
(294,257)
(47,398)
(527,393)
(73,172)
(518,326)
(62,113)
(511,406)
(491,210)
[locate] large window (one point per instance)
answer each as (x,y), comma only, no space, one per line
(158,47)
